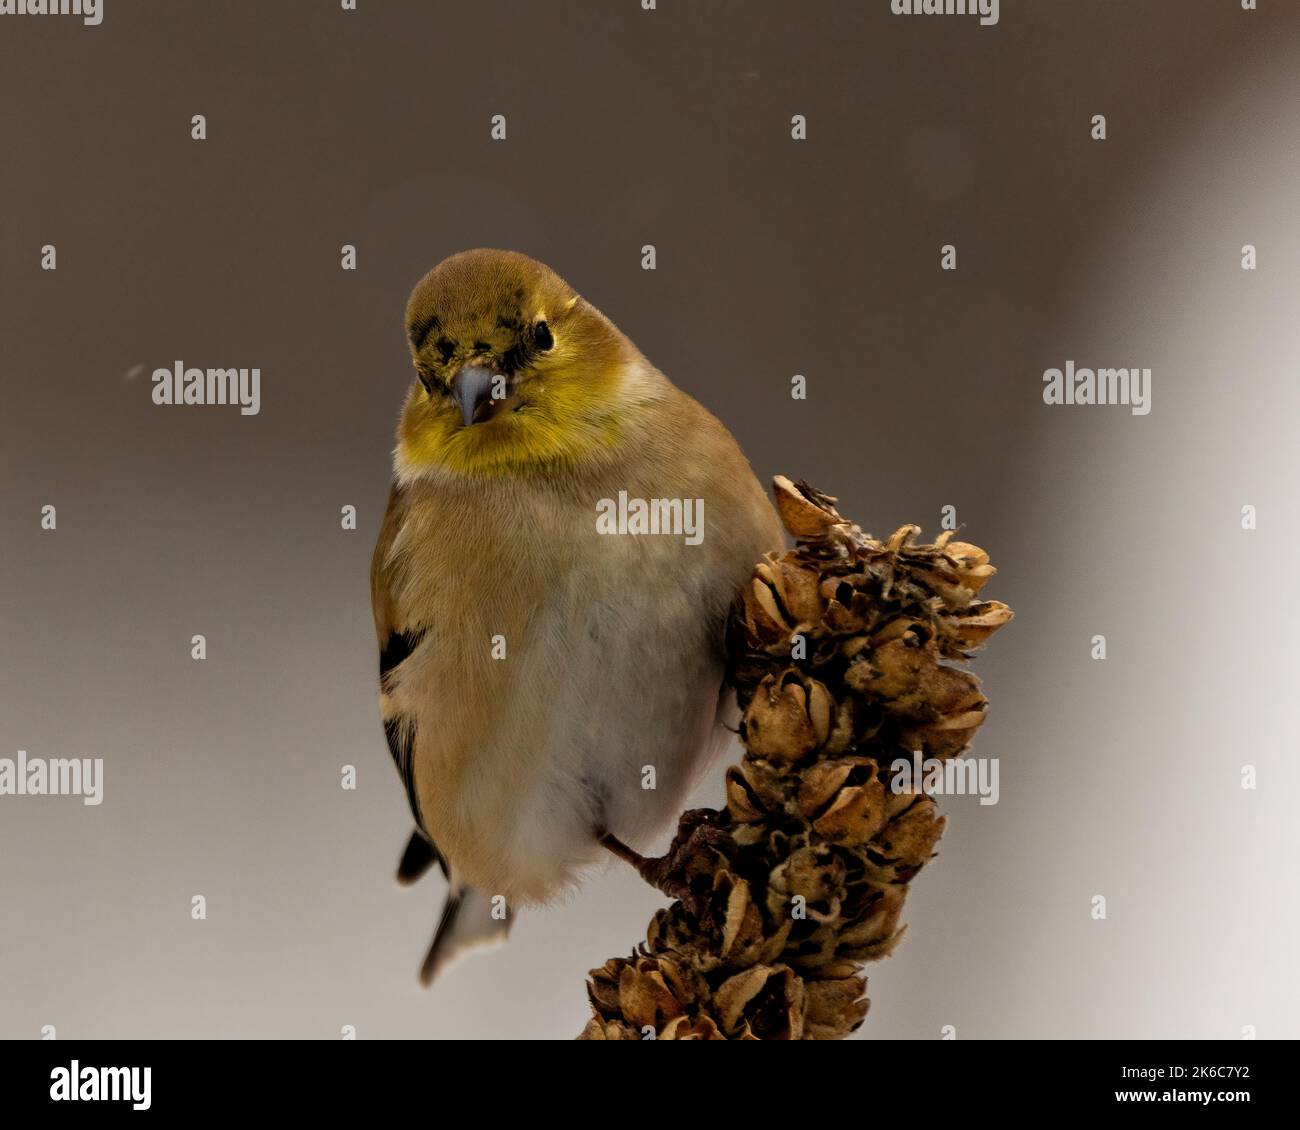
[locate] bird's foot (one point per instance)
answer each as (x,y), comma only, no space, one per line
(672,871)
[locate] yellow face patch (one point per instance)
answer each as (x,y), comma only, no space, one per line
(560,360)
(550,424)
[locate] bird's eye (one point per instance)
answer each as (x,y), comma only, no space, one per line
(543,336)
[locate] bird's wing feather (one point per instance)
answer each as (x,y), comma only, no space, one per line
(396,642)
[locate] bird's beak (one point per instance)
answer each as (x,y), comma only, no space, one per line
(471,389)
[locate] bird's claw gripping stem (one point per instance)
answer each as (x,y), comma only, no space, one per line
(669,872)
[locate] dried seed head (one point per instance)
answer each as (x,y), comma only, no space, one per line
(821,849)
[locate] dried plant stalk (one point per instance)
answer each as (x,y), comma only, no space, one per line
(844,654)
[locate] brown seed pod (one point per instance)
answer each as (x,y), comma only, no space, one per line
(845,655)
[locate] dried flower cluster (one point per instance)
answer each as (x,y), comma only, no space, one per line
(843,657)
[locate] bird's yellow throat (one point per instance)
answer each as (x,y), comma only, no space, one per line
(572,423)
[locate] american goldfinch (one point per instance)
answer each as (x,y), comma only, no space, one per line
(565,534)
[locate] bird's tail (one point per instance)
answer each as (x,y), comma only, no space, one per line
(469,920)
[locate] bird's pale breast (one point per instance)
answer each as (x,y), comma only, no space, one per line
(566,679)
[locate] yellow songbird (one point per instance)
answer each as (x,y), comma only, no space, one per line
(565,534)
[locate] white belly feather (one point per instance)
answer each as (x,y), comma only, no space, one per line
(603,709)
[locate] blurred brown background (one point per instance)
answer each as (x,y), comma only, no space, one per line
(628,127)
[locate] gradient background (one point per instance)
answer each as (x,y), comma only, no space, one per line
(671,127)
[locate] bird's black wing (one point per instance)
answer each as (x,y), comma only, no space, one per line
(396,642)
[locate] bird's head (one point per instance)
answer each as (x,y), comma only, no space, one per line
(515,370)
